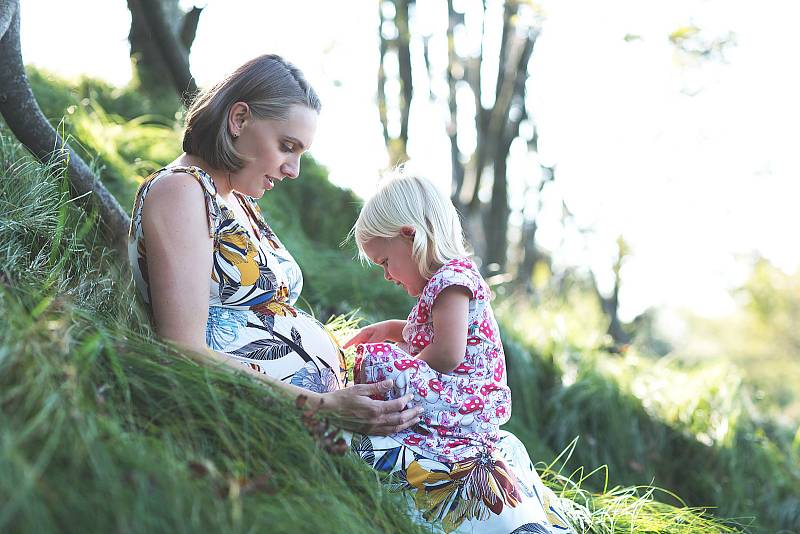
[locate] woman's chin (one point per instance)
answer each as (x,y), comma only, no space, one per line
(254,193)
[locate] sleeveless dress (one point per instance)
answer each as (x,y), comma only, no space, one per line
(253,286)
(456,465)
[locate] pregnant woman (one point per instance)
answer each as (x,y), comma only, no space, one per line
(213,274)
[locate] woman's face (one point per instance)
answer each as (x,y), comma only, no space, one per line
(272,150)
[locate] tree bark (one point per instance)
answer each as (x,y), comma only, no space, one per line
(397,146)
(531,254)
(162,46)
(496,125)
(23,116)
(455,71)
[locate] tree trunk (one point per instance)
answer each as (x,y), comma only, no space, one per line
(610,304)
(531,254)
(397,146)
(161,36)
(23,116)
(455,71)
(496,125)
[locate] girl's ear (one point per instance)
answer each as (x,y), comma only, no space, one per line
(408,231)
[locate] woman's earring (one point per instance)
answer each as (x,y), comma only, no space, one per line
(235,135)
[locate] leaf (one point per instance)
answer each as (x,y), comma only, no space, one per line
(226,291)
(264,349)
(266,279)
(388,460)
(296,337)
(267,320)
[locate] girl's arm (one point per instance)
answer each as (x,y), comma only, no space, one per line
(391,330)
(450,323)
(179,260)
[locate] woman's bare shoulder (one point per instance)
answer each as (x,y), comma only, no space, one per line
(176,198)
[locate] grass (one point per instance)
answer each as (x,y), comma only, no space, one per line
(652,422)
(106,428)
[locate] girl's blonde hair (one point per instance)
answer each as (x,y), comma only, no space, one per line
(413,201)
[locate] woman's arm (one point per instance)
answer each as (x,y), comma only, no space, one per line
(391,330)
(179,258)
(352,406)
(179,262)
(450,315)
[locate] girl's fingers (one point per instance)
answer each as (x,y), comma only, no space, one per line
(353,340)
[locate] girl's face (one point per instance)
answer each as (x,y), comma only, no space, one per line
(394,256)
(272,150)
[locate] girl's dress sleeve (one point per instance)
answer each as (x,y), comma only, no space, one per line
(461,272)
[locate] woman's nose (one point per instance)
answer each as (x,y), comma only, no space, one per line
(291,169)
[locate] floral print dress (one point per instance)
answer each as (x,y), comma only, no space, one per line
(456,465)
(253,286)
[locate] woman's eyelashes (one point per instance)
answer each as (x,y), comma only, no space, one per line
(287,147)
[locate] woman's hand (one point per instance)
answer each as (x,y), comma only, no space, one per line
(359,413)
(391,330)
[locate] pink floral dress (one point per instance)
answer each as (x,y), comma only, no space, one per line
(456,467)
(463,410)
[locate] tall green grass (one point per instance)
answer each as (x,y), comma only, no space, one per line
(104,428)
(691,429)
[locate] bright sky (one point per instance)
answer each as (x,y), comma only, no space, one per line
(694,183)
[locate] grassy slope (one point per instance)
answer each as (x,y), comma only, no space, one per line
(106,426)
(105,429)
(691,430)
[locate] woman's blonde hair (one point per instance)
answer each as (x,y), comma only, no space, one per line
(413,201)
(268,84)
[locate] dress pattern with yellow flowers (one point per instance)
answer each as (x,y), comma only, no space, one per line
(253,286)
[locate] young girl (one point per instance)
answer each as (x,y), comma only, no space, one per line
(448,352)
(459,466)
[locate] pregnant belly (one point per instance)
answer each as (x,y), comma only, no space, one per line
(294,347)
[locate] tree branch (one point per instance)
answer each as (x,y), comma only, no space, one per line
(189,27)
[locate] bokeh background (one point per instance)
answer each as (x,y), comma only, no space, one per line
(625,170)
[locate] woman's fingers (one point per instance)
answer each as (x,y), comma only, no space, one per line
(378,388)
(396,422)
(397,405)
(379,417)
(396,417)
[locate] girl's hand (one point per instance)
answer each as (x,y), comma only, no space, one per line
(391,330)
(359,413)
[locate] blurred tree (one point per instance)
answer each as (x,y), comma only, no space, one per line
(161,37)
(496,118)
(25,119)
(395,36)
(772,298)
(610,303)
